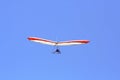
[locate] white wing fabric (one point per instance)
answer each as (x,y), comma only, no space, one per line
(65,43)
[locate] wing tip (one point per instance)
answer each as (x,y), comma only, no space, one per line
(32,38)
(85,41)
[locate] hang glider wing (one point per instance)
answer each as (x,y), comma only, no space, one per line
(40,40)
(73,42)
(66,43)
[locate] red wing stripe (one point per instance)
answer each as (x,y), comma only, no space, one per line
(77,41)
(39,39)
(81,41)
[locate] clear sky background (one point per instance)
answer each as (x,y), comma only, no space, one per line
(61,20)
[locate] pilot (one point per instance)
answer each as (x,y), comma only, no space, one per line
(57,51)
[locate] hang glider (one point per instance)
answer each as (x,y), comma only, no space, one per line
(55,43)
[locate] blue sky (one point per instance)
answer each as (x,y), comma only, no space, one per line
(61,20)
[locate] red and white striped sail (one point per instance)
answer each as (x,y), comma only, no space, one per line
(65,43)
